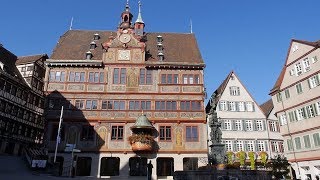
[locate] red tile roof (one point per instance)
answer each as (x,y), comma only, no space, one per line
(267,107)
(31,58)
(179,48)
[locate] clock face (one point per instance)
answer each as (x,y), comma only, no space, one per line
(124,55)
(125,38)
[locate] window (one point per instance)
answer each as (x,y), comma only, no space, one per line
(232,106)
(238,125)
(298,68)
(165,133)
(79,104)
(169,78)
(227,125)
(250,146)
(316,139)
(190,105)
(272,126)
(87,133)
(239,146)
(190,163)
(117,133)
(249,125)
(259,125)
(283,119)
(145,76)
(29,68)
(113,105)
(301,114)
(57,76)
(110,166)
(228,144)
(190,79)
(119,76)
(223,106)
(314,59)
(241,106)
(165,166)
(250,106)
(91,104)
(139,105)
(289,144)
(280,145)
(166,105)
(313,81)
(279,97)
(310,111)
(96,77)
(306,140)
(299,88)
(138,166)
(261,146)
(76,76)
(192,133)
(287,93)
(274,146)
(234,91)
(306,65)
(297,143)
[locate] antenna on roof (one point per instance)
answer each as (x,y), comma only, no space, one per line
(191,26)
(70,28)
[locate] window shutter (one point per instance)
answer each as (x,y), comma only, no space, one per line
(270,126)
(266,145)
(219,106)
(264,125)
(238,88)
(245,106)
(256,145)
(244,125)
(309,83)
(245,145)
(295,115)
(254,125)
(317,79)
(233,125)
(230,89)
(234,145)
(237,106)
(223,125)
(253,109)
(228,106)
(291,117)
(315,109)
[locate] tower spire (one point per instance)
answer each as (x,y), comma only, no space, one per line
(139,18)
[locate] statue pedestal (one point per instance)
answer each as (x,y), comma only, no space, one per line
(217,154)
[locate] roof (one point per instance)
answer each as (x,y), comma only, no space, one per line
(9,60)
(278,83)
(179,48)
(30,59)
(267,107)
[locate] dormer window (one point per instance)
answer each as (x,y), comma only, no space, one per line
(96,36)
(159,40)
(88,55)
(161,56)
(93,45)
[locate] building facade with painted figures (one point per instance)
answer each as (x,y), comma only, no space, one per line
(296,99)
(21,106)
(111,84)
(245,125)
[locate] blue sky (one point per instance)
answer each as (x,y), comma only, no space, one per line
(250,37)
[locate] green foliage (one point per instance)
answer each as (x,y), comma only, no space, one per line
(252,157)
(143,138)
(280,166)
(230,155)
(264,157)
(241,155)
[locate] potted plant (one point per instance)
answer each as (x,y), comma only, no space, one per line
(141,142)
(230,155)
(252,157)
(264,157)
(241,155)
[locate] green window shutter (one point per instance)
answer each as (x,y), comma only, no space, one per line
(315,109)
(295,115)
(317,79)
(309,83)
(305,113)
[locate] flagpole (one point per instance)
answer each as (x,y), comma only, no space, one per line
(58,136)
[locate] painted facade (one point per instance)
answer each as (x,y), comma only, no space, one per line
(105,80)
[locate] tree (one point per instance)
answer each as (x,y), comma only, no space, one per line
(280,166)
